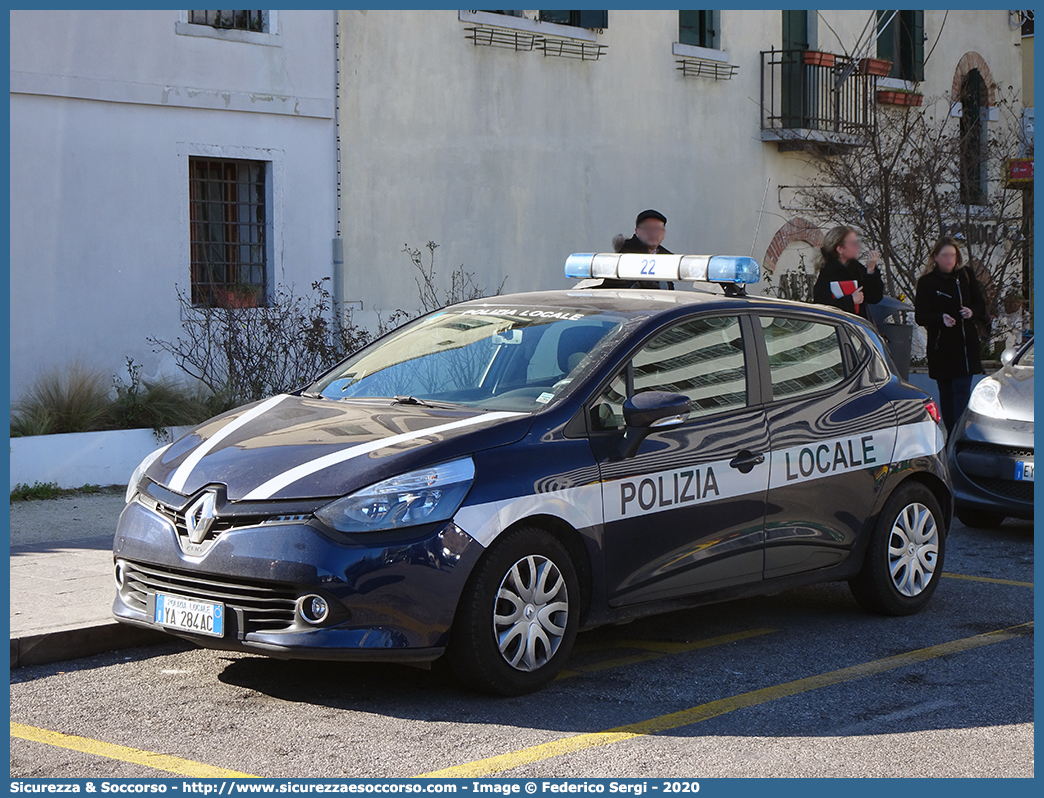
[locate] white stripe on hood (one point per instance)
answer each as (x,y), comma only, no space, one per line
(280,481)
(180,477)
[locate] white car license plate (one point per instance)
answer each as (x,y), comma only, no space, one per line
(1024,470)
(192,616)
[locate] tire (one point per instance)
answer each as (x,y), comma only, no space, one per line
(983,519)
(904,557)
(518,616)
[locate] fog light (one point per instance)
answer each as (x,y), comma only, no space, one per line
(314,609)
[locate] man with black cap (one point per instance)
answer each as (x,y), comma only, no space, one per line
(649,229)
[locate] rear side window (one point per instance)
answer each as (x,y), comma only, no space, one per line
(855,347)
(804,356)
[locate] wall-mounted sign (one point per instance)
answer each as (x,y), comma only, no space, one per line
(1019,173)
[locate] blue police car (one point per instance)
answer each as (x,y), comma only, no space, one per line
(494,476)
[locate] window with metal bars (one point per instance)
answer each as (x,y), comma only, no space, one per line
(227,215)
(234,20)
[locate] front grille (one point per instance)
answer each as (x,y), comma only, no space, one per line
(995,449)
(257,606)
(1006,488)
(221,523)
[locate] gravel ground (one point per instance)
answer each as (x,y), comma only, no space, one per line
(88,515)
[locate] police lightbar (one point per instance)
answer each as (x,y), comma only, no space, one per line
(629,266)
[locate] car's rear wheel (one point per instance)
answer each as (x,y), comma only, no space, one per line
(983,519)
(904,557)
(518,617)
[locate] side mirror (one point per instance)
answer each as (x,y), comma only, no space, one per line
(1008,355)
(649,410)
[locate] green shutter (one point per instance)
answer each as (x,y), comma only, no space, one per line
(917,34)
(795,30)
(707,28)
(592,19)
(689,27)
(792,73)
(696,28)
(886,36)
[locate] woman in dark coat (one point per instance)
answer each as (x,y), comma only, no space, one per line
(843,281)
(947,304)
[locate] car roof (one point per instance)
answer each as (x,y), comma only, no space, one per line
(651,301)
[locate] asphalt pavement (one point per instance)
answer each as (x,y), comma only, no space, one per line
(61,580)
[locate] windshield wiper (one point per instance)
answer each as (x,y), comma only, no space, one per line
(413,400)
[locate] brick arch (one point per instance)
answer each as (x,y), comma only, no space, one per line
(969,61)
(795,230)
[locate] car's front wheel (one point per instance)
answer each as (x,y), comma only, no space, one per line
(518,617)
(904,556)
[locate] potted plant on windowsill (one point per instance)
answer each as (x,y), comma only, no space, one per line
(819,58)
(237,296)
(875,66)
(900,97)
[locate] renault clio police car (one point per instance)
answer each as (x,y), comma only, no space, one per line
(491,477)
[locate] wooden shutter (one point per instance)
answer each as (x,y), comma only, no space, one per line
(592,19)
(917,37)
(689,27)
(886,49)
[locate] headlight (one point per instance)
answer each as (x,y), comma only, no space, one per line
(419,497)
(985,399)
(139,472)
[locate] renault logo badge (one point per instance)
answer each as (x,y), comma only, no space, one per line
(199,517)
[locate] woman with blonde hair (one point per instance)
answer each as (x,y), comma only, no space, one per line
(947,304)
(843,281)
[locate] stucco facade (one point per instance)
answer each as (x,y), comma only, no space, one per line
(510,160)
(106,109)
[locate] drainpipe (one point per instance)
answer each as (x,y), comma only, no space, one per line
(338,242)
(338,278)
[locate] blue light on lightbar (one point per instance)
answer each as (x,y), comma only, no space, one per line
(733,269)
(655,268)
(578,265)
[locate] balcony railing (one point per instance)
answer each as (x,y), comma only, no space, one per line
(815,102)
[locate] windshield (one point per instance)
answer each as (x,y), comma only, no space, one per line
(507,358)
(1027,356)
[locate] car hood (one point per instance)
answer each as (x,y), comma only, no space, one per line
(1016,391)
(293,447)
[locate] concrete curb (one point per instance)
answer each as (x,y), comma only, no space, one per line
(40,649)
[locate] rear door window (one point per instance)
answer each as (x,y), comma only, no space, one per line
(804,356)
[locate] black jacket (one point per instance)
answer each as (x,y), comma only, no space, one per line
(632,244)
(834,271)
(952,351)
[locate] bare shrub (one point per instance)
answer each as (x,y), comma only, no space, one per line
(245,354)
(462,283)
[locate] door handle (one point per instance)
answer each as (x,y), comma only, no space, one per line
(745,461)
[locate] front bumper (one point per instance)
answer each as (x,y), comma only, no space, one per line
(982,454)
(390,598)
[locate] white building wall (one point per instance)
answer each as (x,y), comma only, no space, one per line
(106,108)
(508,160)
(511,160)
